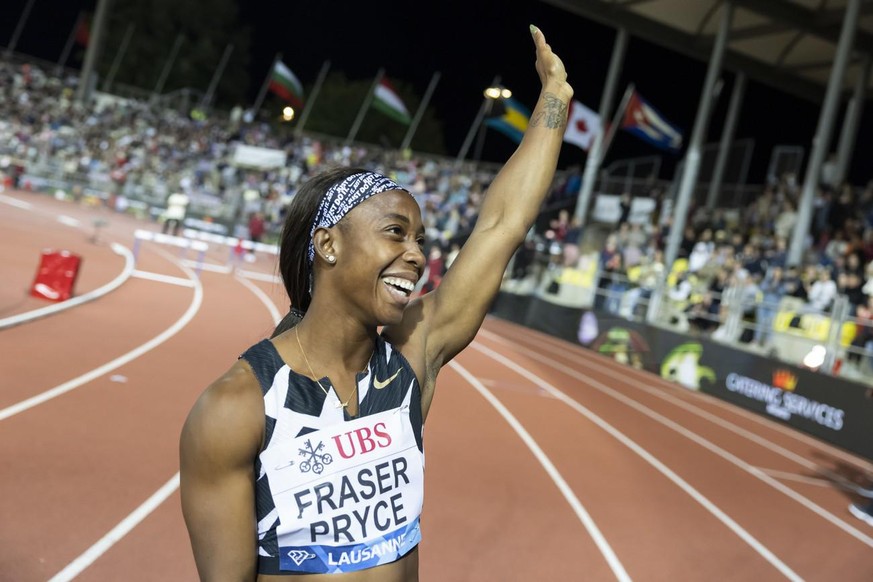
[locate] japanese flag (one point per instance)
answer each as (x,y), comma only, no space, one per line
(583,125)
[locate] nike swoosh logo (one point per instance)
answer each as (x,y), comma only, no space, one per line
(379,384)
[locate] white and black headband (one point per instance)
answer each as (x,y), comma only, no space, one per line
(345,195)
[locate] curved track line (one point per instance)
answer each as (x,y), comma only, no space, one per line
(193,308)
(124,527)
(90,296)
(756,418)
(723,423)
(265,299)
(705,443)
(649,458)
(552,471)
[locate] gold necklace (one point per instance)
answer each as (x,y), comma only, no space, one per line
(339,403)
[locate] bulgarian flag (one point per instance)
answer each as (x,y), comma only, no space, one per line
(286,85)
(388,102)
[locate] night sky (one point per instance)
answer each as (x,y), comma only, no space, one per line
(470,42)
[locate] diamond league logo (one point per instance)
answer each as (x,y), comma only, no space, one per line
(300,556)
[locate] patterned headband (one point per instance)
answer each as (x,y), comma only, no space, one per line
(342,197)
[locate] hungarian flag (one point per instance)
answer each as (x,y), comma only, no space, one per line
(286,85)
(583,125)
(388,102)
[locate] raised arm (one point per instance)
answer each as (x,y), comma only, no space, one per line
(458,306)
(219,442)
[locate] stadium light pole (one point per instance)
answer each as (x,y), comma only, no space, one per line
(468,141)
(492,94)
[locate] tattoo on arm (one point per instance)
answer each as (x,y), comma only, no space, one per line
(553,113)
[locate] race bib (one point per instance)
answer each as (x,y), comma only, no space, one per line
(348,496)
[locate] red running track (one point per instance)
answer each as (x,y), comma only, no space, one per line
(545,461)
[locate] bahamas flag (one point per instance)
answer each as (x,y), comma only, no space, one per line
(509,117)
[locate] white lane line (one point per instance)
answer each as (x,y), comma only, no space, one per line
(726,424)
(646,376)
(69,220)
(785,475)
(259,276)
(649,458)
(123,528)
(265,299)
(126,525)
(196,301)
(15,202)
(552,471)
(162,278)
(730,457)
(223,269)
(91,295)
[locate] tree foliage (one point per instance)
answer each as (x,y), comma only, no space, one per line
(206,27)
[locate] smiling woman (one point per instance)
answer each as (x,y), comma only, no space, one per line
(306,456)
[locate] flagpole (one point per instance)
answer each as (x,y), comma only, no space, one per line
(216,77)
(116,62)
(68,47)
(167,66)
(364,106)
(616,120)
(477,122)
(95,42)
(601,144)
(418,114)
(263,92)
(13,42)
(322,74)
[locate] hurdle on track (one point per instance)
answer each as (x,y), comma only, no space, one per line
(177,241)
(235,244)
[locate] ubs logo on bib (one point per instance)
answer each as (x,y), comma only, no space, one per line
(362,440)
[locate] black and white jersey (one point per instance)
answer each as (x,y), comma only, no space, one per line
(336,493)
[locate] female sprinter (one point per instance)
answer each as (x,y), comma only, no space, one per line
(305,458)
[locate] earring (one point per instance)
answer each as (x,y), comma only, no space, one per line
(331,259)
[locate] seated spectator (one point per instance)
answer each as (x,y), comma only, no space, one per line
(651,270)
(785,221)
(700,255)
(862,343)
(749,298)
(705,316)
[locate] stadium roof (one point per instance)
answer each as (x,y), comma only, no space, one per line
(787,44)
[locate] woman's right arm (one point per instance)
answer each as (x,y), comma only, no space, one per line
(219,443)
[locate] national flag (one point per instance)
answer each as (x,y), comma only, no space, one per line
(583,125)
(286,85)
(648,124)
(83,30)
(388,102)
(509,117)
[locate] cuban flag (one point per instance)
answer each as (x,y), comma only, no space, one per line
(644,121)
